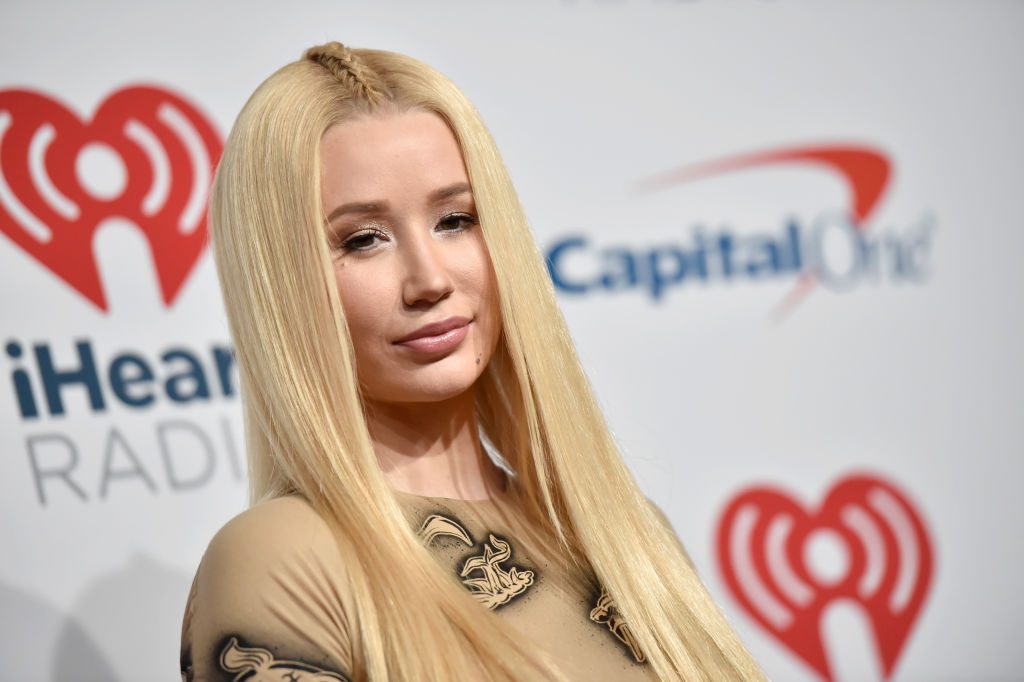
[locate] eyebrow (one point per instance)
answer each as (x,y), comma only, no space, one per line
(364,207)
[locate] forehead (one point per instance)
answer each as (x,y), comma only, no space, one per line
(375,157)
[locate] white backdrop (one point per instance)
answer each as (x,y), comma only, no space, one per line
(742,331)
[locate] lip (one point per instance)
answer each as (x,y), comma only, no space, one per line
(437,336)
(436,328)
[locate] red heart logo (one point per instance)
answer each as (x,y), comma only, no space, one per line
(163,152)
(763,542)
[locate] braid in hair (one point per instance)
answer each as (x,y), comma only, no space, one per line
(348,68)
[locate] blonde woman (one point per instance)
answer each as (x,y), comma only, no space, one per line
(435,493)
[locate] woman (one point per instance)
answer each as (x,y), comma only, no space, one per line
(391,315)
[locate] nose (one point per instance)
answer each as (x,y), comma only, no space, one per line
(426,277)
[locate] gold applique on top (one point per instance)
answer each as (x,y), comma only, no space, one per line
(497,586)
(494,586)
(436,525)
(254,664)
(605,612)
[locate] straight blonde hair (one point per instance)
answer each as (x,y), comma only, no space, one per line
(305,425)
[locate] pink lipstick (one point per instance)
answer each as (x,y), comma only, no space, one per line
(438,336)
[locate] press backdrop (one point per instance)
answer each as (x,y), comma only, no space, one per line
(786,236)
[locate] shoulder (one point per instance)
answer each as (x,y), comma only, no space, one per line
(278,550)
(286,520)
(270,531)
(272,582)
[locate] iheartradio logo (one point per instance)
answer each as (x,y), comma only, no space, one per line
(146,156)
(767,543)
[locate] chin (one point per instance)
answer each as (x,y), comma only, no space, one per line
(431,383)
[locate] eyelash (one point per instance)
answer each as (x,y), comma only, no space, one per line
(459,218)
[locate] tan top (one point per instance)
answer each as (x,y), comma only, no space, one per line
(267,602)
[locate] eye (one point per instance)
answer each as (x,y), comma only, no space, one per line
(456,222)
(362,241)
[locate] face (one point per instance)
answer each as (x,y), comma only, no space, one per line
(412,270)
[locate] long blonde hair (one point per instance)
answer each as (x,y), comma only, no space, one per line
(305,427)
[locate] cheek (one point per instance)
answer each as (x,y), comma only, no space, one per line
(366,300)
(479,278)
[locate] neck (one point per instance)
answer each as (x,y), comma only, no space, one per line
(432,449)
